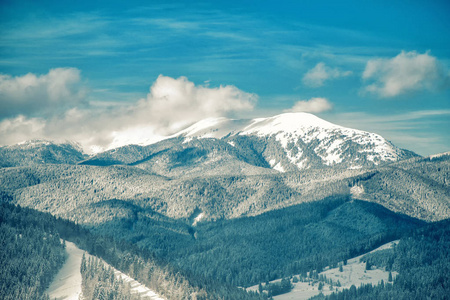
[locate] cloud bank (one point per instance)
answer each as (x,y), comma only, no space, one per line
(313,105)
(30,94)
(408,71)
(53,106)
(317,76)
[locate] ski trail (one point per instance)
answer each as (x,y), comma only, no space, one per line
(67,282)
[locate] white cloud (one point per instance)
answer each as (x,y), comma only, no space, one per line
(313,105)
(171,105)
(317,76)
(31,94)
(175,103)
(20,128)
(408,71)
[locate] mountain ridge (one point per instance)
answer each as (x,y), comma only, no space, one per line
(286,142)
(282,143)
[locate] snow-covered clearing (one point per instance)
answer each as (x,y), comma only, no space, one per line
(354,273)
(67,282)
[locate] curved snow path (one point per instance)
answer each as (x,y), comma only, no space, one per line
(67,282)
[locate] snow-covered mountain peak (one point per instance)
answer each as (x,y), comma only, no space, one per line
(210,127)
(287,123)
(301,140)
(29,144)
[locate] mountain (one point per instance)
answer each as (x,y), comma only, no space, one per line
(40,152)
(302,140)
(235,201)
(286,142)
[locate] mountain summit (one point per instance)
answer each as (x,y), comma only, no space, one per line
(301,140)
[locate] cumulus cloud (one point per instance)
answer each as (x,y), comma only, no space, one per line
(317,76)
(408,71)
(175,103)
(313,105)
(171,105)
(31,94)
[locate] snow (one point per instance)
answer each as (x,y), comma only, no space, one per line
(30,144)
(287,123)
(272,162)
(439,155)
(198,219)
(356,191)
(213,128)
(137,287)
(142,136)
(279,168)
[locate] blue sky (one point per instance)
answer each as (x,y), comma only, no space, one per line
(380,66)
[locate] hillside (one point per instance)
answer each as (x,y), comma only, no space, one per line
(92,194)
(419,187)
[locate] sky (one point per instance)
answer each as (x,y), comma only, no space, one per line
(98,71)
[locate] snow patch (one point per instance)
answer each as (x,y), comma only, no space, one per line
(198,219)
(279,168)
(272,162)
(356,191)
(439,155)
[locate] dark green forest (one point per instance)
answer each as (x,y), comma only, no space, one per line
(276,244)
(30,255)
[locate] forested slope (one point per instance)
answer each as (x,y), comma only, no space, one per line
(30,255)
(29,276)
(423,262)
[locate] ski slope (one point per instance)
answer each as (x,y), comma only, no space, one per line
(67,283)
